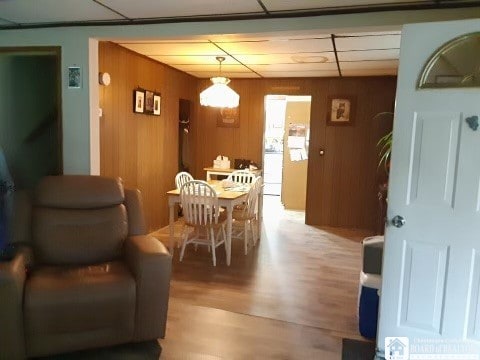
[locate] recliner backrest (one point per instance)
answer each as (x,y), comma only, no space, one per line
(78,220)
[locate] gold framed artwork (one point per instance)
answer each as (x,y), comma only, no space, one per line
(341,110)
(229,117)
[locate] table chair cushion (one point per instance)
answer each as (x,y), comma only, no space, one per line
(70,308)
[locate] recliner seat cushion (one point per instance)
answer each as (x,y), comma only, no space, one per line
(71,308)
(77,237)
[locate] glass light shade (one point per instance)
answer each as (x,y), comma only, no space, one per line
(219,94)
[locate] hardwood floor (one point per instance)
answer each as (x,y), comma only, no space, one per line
(294,296)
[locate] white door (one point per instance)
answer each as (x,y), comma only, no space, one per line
(295,165)
(431,268)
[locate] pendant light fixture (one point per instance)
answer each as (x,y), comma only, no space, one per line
(219,94)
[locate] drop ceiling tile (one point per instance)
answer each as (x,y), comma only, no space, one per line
(388,54)
(47,11)
(287,58)
(213,69)
(369,72)
(278,35)
(192,49)
(368,42)
(371,33)
(277,46)
(297,74)
(179,8)
(294,67)
(192,59)
(284,5)
(374,65)
(230,75)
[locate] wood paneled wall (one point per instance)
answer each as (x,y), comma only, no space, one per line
(342,184)
(141,149)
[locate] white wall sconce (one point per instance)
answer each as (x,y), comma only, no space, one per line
(104,78)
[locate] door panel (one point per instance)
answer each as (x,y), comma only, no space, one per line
(423,286)
(431,265)
(473,327)
(433,158)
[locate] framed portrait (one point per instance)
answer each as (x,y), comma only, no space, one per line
(341,110)
(74,77)
(229,117)
(156,104)
(138,101)
(148,102)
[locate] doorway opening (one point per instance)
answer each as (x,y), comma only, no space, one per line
(275,106)
(286,140)
(30,108)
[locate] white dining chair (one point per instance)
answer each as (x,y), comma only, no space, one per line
(182,178)
(245,216)
(201,213)
(242,177)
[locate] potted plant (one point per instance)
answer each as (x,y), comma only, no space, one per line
(385,143)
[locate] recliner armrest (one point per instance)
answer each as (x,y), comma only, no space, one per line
(12,282)
(151,264)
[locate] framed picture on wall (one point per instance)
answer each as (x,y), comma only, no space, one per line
(156,104)
(148,102)
(74,77)
(341,110)
(228,117)
(138,101)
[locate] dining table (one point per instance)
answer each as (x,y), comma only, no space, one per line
(228,197)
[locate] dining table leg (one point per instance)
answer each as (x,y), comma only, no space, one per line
(228,241)
(171,227)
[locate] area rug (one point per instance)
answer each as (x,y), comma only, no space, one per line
(357,350)
(148,350)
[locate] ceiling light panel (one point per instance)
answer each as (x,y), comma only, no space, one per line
(297,74)
(185,49)
(179,8)
(285,5)
(47,11)
(374,65)
(287,58)
(367,42)
(359,55)
(277,46)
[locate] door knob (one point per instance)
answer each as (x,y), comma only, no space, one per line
(398,221)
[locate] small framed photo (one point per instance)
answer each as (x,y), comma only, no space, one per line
(156,104)
(229,117)
(138,101)
(341,110)
(148,102)
(74,77)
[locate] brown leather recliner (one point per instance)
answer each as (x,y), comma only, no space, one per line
(94,278)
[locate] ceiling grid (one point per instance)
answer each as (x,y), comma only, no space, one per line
(306,54)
